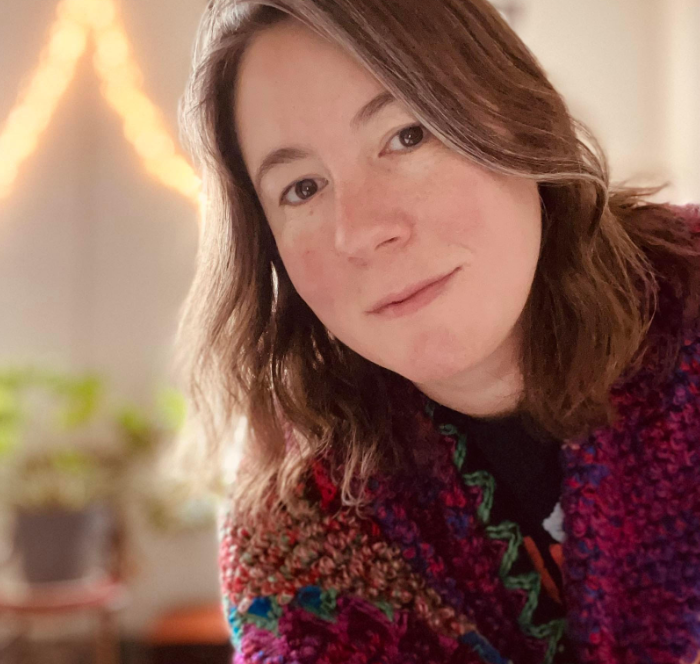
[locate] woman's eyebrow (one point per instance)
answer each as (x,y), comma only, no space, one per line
(288,155)
(277,157)
(371,108)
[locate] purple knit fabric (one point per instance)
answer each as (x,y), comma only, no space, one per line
(424,576)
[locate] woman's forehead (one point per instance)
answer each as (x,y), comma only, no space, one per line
(293,83)
(289,62)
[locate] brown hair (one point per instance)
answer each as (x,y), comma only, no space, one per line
(251,347)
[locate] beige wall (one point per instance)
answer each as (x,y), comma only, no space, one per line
(95,256)
(682,119)
(630,70)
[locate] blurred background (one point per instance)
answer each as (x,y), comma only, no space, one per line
(102,559)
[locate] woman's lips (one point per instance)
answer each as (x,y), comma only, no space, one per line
(418,300)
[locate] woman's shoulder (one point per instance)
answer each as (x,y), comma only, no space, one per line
(277,555)
(322,572)
(299,545)
(689,209)
(690,212)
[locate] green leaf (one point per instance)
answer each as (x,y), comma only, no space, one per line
(9,440)
(133,421)
(83,399)
(14,379)
(172,408)
(140,435)
(75,462)
(10,409)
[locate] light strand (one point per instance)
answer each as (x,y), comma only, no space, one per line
(37,103)
(143,125)
(122,87)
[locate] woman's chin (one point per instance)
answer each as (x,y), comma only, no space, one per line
(428,371)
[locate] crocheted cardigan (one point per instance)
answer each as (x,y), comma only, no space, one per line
(424,576)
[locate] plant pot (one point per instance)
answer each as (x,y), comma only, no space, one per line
(57,545)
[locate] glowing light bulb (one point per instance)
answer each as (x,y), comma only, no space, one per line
(67,42)
(112,48)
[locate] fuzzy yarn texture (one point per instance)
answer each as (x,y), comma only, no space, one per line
(424,576)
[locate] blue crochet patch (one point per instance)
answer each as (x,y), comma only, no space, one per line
(484,649)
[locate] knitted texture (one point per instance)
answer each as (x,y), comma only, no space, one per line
(424,575)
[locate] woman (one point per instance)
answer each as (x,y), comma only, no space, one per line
(469,365)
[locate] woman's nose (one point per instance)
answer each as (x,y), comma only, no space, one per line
(368,222)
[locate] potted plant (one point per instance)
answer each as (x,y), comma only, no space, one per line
(68,458)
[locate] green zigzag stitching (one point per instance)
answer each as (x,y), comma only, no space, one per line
(510,532)
(485,481)
(531,582)
(386,609)
(460,453)
(553,630)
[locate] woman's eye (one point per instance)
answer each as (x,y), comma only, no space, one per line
(409,137)
(302,190)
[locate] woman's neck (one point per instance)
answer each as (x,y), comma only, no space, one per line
(492,388)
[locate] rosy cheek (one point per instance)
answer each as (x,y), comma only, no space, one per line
(314,278)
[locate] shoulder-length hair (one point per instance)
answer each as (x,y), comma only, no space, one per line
(251,348)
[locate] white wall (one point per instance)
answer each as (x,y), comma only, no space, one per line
(95,256)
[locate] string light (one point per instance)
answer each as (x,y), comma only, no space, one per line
(37,103)
(122,87)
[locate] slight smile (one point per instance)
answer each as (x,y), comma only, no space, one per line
(420,298)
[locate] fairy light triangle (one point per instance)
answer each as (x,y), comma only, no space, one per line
(77,21)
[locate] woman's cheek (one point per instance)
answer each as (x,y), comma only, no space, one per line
(314,279)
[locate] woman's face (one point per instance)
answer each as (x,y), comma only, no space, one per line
(366,208)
